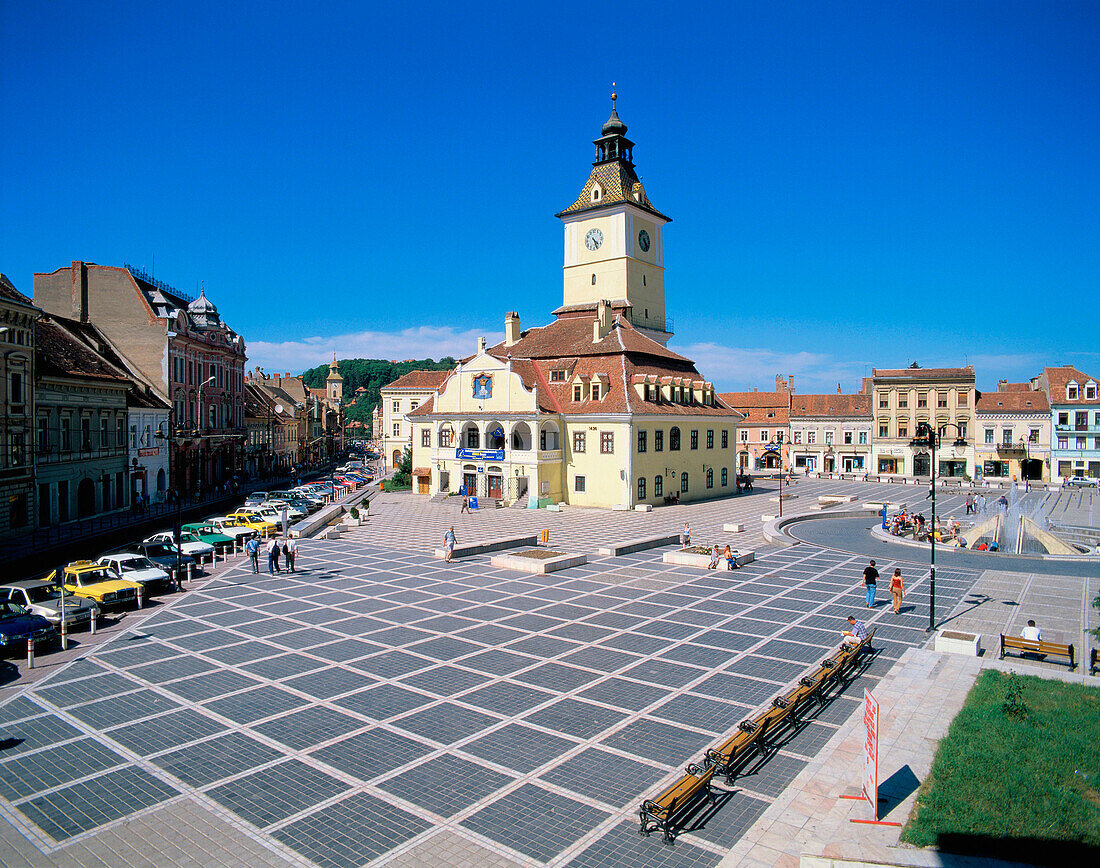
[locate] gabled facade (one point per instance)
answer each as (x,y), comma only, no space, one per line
(1075,420)
(398,399)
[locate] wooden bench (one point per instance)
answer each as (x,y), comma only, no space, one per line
(1041,647)
(729,755)
(661,812)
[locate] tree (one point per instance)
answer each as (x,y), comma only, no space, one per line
(914,365)
(371,375)
(403,476)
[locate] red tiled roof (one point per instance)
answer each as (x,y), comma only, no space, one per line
(746,400)
(1013,401)
(60,351)
(420,380)
(570,336)
(1058,378)
(830,405)
(9,292)
(922,373)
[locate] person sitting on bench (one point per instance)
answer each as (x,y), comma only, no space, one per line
(1032,633)
(856,634)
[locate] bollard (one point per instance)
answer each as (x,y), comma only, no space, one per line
(64,640)
(30,653)
(236,549)
(545,535)
(92,623)
(141,596)
(190,572)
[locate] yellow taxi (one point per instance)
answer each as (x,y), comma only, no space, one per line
(96,582)
(253,521)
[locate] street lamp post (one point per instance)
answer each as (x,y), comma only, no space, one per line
(170,436)
(926,435)
(777,441)
(203,419)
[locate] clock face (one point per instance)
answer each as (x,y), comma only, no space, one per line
(643,241)
(593,239)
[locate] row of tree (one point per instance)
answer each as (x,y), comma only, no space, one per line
(372,375)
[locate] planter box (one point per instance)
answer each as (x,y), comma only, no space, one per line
(621,507)
(333,533)
(644,507)
(766,517)
(785,497)
(692,559)
(734,527)
(638,545)
(835,499)
(465,550)
(956,642)
(538,566)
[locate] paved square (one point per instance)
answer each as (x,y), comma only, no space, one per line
(379,699)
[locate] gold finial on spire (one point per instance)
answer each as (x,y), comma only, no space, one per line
(614,96)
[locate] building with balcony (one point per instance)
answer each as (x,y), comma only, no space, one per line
(1075,421)
(592,409)
(763,438)
(901,400)
(831,434)
(179,345)
(17,324)
(1012,442)
(399,398)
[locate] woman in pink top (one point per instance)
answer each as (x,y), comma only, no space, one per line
(897,589)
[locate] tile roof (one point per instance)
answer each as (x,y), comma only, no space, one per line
(745,400)
(619,184)
(419,380)
(67,348)
(9,293)
(569,336)
(922,373)
(1013,401)
(1059,377)
(831,405)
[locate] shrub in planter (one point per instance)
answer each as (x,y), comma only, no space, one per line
(354,513)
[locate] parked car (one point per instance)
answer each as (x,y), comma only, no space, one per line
(40,597)
(293,513)
(250,518)
(226,524)
(189,543)
(1081,482)
(306,504)
(207,533)
(164,556)
(96,582)
(17,625)
(255,498)
(136,567)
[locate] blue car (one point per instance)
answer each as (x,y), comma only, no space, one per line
(17,626)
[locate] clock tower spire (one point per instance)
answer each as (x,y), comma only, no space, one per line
(614,238)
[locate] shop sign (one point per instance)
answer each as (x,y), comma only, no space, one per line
(480,454)
(148,452)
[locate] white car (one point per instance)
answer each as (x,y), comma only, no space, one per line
(1081,482)
(230,527)
(189,544)
(263,513)
(137,568)
(44,598)
(292,512)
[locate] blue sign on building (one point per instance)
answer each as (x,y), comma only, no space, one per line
(480,454)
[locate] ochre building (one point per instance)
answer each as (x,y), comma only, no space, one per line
(592,409)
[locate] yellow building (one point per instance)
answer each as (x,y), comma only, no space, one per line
(592,409)
(901,400)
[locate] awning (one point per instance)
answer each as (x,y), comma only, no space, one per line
(422,471)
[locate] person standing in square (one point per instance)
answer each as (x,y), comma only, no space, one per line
(870,581)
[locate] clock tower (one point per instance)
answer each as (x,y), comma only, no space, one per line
(614,239)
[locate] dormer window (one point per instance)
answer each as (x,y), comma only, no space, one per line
(1071,391)
(557,376)
(1090,391)
(595,391)
(597,192)
(577,393)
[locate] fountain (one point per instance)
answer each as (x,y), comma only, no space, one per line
(1018,525)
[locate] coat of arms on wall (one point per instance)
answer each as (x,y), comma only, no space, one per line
(483,386)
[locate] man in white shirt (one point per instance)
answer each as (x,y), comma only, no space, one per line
(1032,633)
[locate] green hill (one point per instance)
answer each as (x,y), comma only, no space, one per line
(372,375)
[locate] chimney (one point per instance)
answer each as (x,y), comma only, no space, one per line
(78,272)
(790,382)
(838,388)
(480,346)
(1002,385)
(511,328)
(602,324)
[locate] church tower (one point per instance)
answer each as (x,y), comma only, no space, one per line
(614,239)
(334,384)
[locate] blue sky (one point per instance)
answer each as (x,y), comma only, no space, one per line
(851,184)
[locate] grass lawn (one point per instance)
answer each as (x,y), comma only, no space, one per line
(1018,771)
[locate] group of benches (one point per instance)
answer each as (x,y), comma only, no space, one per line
(753,736)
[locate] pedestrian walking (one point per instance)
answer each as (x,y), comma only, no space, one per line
(870,581)
(273,555)
(970,501)
(449,545)
(291,554)
(714,556)
(897,590)
(285,547)
(685,536)
(465,502)
(253,549)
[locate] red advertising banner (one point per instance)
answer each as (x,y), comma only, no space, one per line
(151,450)
(870,756)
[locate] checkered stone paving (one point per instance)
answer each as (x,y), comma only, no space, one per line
(379,700)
